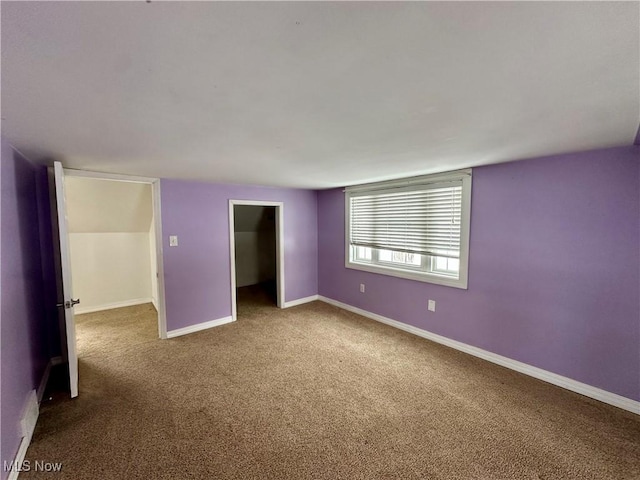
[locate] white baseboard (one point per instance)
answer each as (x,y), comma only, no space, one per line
(28,425)
(43,382)
(79,310)
(544,375)
(45,376)
(19,458)
(28,420)
(300,301)
(198,327)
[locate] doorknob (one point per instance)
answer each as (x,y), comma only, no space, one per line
(68,304)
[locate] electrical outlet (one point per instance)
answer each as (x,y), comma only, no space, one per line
(362,288)
(432,306)
(173,240)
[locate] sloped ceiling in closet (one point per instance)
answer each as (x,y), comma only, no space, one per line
(101,206)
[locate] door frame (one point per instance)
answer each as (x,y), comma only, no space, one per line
(157,220)
(279,206)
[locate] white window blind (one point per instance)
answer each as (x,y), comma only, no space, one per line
(422,218)
(415,228)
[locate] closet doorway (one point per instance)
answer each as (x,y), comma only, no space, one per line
(109,232)
(257,260)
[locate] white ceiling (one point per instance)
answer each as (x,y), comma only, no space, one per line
(315,95)
(105,206)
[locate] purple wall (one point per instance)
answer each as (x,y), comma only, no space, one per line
(553,271)
(23,332)
(47,253)
(197,271)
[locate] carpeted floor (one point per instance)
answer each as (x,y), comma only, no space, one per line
(315,392)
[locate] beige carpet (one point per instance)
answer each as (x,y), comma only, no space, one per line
(315,392)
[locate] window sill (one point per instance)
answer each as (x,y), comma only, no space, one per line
(417,276)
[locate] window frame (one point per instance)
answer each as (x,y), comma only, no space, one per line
(412,273)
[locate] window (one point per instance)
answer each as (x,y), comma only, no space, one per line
(415,228)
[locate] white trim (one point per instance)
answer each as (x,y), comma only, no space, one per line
(30,413)
(544,375)
(198,327)
(108,176)
(409,275)
(279,250)
(45,376)
(19,458)
(161,307)
(300,301)
(257,203)
(28,435)
(108,306)
(26,440)
(44,380)
(232,261)
(406,181)
(465,229)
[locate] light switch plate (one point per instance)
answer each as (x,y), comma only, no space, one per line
(173,240)
(432,305)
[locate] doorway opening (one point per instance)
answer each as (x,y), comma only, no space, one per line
(114,262)
(257,269)
(102,205)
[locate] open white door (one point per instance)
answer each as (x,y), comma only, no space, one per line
(67,289)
